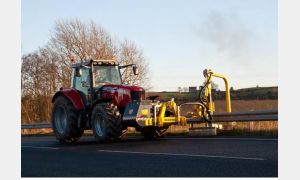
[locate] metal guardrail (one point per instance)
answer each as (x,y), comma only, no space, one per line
(36,126)
(268,115)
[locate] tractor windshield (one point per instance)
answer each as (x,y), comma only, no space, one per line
(106,75)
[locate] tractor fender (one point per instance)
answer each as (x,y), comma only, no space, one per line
(73,95)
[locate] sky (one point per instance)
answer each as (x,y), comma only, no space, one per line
(179,38)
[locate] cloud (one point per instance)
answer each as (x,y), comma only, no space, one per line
(229,36)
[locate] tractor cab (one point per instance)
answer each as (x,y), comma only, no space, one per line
(90,76)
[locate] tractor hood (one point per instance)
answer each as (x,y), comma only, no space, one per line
(121,95)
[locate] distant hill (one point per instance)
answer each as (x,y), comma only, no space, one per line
(254,93)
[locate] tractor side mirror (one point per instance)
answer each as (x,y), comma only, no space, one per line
(135,70)
(78,72)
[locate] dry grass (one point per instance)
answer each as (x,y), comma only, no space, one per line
(42,131)
(263,127)
(246,105)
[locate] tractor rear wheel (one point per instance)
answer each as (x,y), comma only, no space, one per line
(64,121)
(106,122)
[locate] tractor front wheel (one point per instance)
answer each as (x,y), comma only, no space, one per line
(64,121)
(106,122)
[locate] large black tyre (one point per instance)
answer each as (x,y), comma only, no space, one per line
(151,133)
(64,121)
(106,122)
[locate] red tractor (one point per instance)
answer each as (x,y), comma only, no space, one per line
(97,100)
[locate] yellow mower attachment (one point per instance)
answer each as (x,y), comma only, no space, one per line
(148,113)
(163,114)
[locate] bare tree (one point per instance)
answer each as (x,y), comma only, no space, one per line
(83,40)
(129,54)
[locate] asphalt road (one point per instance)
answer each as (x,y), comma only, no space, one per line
(166,157)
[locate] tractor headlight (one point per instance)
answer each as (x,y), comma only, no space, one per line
(144,112)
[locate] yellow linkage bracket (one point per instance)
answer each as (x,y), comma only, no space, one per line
(171,106)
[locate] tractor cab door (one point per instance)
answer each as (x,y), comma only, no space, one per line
(81,81)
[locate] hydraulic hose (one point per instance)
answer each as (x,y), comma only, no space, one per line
(210,118)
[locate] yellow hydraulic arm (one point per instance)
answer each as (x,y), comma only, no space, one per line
(208,74)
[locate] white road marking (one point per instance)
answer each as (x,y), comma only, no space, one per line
(212,138)
(40,147)
(176,154)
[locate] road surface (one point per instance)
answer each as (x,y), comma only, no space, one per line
(167,157)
